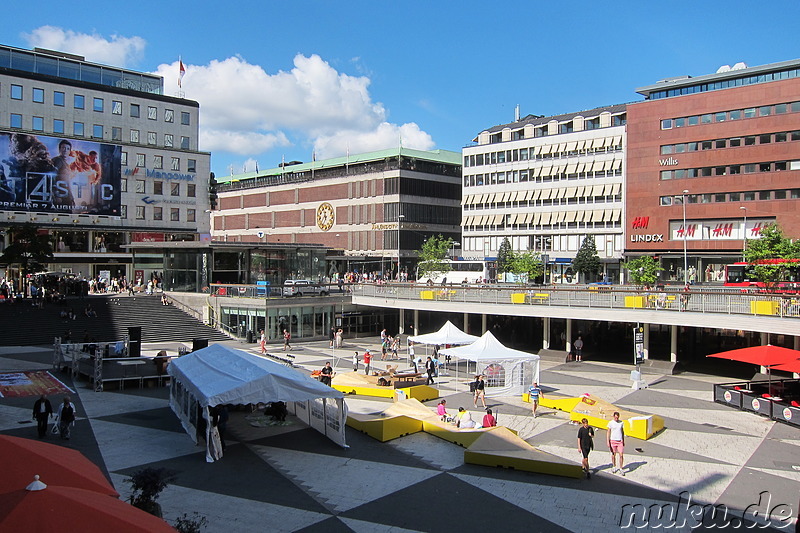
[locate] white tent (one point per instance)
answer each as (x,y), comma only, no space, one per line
(220,375)
(508,372)
(447,334)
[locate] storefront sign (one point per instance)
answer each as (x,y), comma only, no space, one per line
(717,230)
(668,162)
(147,237)
(653,237)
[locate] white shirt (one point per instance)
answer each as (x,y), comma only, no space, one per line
(615,428)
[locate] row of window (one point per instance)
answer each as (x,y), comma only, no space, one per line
(731,142)
(98,104)
(527,175)
(563,127)
(536,153)
(736,114)
(158,188)
(722,197)
(725,84)
(749,168)
(574,200)
(98,131)
(559,225)
(158,213)
(158,162)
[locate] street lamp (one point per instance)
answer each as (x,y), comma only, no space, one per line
(685,257)
(744,232)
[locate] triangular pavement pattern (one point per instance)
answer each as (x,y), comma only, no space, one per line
(110,403)
(360,526)
(160,445)
(431,450)
(341,483)
(11,418)
(794,475)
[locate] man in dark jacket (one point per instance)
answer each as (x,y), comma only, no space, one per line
(42,411)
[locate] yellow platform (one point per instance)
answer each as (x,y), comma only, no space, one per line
(600,412)
(363,385)
(495,446)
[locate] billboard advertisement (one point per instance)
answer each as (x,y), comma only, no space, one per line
(56,175)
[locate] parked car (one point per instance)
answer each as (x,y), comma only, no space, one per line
(299,287)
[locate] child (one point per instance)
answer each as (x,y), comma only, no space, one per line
(441,410)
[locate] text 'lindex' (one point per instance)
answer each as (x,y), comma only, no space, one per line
(653,237)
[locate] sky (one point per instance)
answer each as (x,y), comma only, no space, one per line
(283,81)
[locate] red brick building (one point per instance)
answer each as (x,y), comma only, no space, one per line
(721,152)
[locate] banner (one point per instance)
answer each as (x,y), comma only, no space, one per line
(55,175)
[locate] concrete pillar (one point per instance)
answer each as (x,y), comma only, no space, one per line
(568,335)
(466,322)
(646,341)
(401,329)
(546,333)
(416,321)
(483,324)
(764,338)
(673,344)
(797,343)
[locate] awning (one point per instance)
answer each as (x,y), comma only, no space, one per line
(572,168)
(570,216)
(546,194)
(616,188)
(571,192)
(535,194)
(572,146)
(534,218)
(617,164)
(545,220)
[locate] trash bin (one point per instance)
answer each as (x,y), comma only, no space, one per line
(250,336)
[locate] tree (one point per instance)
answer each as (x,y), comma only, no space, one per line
(774,245)
(146,486)
(586,261)
(526,264)
(29,249)
(505,255)
(432,262)
(643,270)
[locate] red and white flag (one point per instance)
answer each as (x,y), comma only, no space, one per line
(181,71)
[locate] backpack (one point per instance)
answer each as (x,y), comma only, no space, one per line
(472,386)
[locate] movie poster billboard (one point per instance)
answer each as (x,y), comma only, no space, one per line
(57,175)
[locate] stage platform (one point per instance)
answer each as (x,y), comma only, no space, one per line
(363,385)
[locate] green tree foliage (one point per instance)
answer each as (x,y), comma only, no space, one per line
(527,265)
(432,263)
(772,244)
(505,256)
(586,261)
(29,249)
(643,270)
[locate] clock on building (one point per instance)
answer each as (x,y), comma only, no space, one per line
(326,216)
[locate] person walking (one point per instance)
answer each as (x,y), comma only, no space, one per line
(615,436)
(585,444)
(66,417)
(42,411)
(578,348)
(430,369)
(286,338)
(534,393)
(479,392)
(262,342)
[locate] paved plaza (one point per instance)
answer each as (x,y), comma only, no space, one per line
(291,478)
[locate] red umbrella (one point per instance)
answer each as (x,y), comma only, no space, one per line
(767,355)
(58,465)
(41,509)
(793,366)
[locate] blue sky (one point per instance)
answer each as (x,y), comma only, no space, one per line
(287,79)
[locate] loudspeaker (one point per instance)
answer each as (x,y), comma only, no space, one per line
(199,344)
(135,341)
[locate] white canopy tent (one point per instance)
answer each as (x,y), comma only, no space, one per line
(447,334)
(508,372)
(220,375)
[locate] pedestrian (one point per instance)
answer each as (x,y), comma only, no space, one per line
(286,338)
(616,443)
(219,419)
(578,348)
(339,334)
(367,361)
(355,361)
(534,393)
(489,420)
(262,342)
(585,444)
(326,374)
(430,369)
(42,411)
(66,417)
(395,346)
(441,410)
(479,392)
(332,337)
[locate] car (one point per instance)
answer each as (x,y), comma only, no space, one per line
(299,287)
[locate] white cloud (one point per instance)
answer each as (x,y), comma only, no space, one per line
(240,142)
(385,135)
(117,50)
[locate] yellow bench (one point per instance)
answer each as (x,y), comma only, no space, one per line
(426,295)
(539,298)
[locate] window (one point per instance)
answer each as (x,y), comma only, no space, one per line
(719,198)
(780,109)
(734,142)
(735,169)
(116,133)
(97,131)
(750,140)
(666,149)
(169,115)
(158,213)
(666,174)
(735,197)
(152,137)
(191,215)
(97,104)
(706,119)
(780,137)
(123,211)
(191,165)
(38,95)
(58,98)
(780,165)
(77,129)
(719,171)
(795,135)
(135,110)
(140,160)
(666,200)
(139,212)
(680,122)
(37,124)
(58,125)
(158,187)
(765,138)
(185,143)
(139,186)
(750,112)
(735,115)
(185,118)
(168,140)
(694,120)
(16,92)
(124,158)
(680,148)
(175,188)
(123,185)
(78,101)
(764,195)
(116,107)
(705,145)
(176,163)
(152,113)
(721,116)
(749,169)
(780,195)
(174,214)
(765,111)
(764,167)
(158,161)
(191,190)
(720,143)
(134,136)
